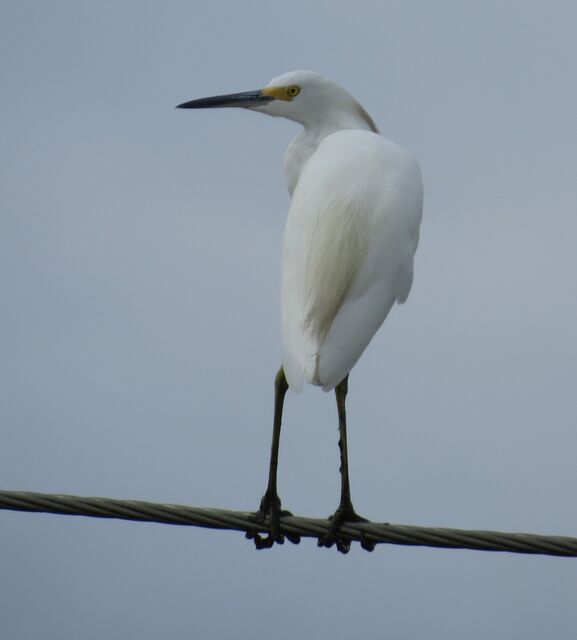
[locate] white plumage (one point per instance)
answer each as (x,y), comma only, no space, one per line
(352,228)
(351,234)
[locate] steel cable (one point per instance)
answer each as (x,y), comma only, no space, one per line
(175,514)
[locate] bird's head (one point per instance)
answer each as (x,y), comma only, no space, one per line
(303,96)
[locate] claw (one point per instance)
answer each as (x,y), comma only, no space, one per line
(292,537)
(343,514)
(367,545)
(259,541)
(270,506)
(343,545)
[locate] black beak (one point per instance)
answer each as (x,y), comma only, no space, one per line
(245,99)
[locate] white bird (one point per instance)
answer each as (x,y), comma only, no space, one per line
(351,235)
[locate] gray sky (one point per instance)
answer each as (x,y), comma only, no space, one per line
(139,333)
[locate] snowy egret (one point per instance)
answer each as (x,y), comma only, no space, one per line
(351,235)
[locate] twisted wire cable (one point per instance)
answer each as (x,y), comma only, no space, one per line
(379,533)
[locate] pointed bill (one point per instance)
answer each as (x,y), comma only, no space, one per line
(244,99)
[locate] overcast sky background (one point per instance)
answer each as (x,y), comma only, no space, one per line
(139,328)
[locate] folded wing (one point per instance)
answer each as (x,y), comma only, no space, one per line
(351,234)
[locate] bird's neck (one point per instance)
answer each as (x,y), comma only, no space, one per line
(306,143)
(297,155)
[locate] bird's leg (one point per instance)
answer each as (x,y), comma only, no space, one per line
(270,504)
(345,511)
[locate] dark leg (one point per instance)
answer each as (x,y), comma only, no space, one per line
(345,511)
(270,503)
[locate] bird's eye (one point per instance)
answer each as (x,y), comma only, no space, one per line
(293,90)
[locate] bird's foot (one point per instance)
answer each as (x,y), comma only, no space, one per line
(270,507)
(345,513)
